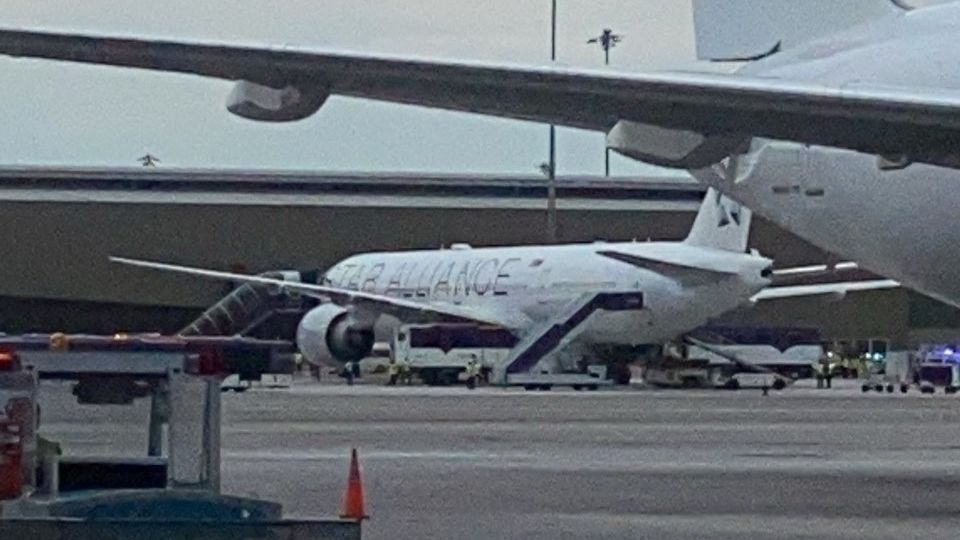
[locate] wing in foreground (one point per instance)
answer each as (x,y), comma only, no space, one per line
(684,120)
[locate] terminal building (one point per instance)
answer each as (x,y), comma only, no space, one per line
(61,225)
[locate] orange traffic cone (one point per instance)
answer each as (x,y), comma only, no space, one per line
(353,506)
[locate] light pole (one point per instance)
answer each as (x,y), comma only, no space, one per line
(551,166)
(607,40)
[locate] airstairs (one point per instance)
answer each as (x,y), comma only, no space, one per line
(560,330)
(250,306)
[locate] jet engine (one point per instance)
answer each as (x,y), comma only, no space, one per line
(290,102)
(331,333)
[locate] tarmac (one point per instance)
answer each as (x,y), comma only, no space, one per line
(494,463)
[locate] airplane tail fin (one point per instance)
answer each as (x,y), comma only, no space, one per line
(721,223)
(731,30)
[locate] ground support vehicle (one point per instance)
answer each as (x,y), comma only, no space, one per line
(173,490)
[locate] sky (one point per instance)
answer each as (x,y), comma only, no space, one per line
(63,114)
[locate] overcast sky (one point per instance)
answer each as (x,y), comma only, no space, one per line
(53,113)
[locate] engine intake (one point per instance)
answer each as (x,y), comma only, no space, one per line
(291,102)
(329,333)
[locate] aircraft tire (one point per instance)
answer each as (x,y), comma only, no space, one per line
(429,377)
(619,373)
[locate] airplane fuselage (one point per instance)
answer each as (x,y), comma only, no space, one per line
(528,285)
(898,222)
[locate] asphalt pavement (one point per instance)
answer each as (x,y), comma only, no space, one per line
(494,463)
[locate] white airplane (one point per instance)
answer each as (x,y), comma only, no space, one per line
(566,299)
(844,126)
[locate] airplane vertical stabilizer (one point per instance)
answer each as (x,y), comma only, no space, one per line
(745,29)
(721,223)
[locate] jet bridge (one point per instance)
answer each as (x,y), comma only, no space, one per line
(519,367)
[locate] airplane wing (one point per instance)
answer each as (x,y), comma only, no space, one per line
(378,303)
(838,290)
(282,84)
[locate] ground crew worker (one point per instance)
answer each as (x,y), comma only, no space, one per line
(473,371)
(394,371)
(828,374)
(348,371)
(819,369)
(406,374)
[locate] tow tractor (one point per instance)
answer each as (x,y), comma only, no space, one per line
(173,489)
(895,372)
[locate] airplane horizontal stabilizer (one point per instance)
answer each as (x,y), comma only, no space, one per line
(689,274)
(729,30)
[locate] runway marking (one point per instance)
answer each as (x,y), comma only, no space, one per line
(341,455)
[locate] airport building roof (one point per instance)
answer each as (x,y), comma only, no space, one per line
(307,188)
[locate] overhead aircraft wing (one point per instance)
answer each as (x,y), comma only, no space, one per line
(410,311)
(920,123)
(824,289)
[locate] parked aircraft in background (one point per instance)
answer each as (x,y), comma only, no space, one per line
(563,299)
(843,126)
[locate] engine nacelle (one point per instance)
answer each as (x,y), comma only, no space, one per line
(330,333)
(267,104)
